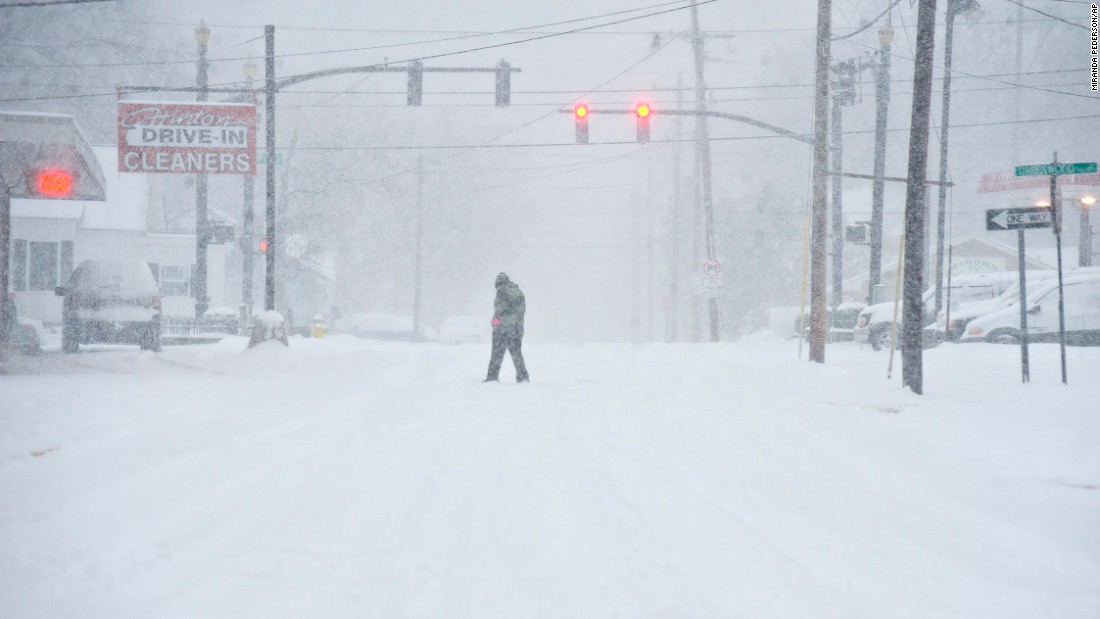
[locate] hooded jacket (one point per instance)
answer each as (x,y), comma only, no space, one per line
(509,305)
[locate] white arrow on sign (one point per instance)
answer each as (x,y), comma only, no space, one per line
(1001,219)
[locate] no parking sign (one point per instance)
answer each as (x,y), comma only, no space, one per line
(712,268)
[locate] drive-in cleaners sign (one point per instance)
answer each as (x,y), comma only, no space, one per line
(186,138)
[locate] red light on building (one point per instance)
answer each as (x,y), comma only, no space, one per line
(54,183)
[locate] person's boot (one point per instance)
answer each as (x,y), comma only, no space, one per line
(491,380)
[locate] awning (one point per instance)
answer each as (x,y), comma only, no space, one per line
(33,143)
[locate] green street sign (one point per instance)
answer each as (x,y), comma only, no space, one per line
(1049,169)
(261,158)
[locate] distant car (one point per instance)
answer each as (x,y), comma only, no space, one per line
(841,322)
(110,302)
(22,334)
(464,330)
(1082,315)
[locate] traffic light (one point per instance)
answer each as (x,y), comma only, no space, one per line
(580,116)
(504,84)
(263,245)
(642,112)
(53,183)
(416,82)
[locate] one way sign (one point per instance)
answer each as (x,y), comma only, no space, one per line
(1018,218)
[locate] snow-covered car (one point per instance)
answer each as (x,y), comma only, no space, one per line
(841,321)
(961,315)
(22,333)
(464,330)
(875,323)
(376,326)
(110,302)
(1082,315)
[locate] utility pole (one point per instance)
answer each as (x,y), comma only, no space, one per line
(820,203)
(1084,241)
(202,223)
(417,281)
(843,94)
(915,200)
(702,145)
(878,187)
(651,260)
(248,227)
(677,209)
(954,9)
(272,245)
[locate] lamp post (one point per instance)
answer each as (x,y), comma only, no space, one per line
(878,187)
(973,13)
(202,37)
(1084,245)
(248,234)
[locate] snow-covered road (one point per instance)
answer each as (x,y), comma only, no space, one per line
(346,478)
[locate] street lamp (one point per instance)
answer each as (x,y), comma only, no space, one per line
(202,37)
(973,13)
(1084,245)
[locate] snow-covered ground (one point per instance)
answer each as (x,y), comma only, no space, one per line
(347,478)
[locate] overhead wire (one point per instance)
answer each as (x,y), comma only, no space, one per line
(420,58)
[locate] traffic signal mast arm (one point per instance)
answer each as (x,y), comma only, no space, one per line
(734,117)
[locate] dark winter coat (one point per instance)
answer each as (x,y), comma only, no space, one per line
(509,305)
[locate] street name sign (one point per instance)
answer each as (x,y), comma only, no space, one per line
(1049,169)
(1018,218)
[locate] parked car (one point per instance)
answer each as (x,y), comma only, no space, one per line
(110,302)
(464,330)
(963,313)
(1082,315)
(841,322)
(875,323)
(22,334)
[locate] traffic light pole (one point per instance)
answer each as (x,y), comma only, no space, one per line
(702,145)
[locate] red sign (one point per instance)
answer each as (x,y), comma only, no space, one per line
(187,138)
(1008,181)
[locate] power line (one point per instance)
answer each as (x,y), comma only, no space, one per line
(10,5)
(359,49)
(868,24)
(667,141)
(1054,17)
(548,92)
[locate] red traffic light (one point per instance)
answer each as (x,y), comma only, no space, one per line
(263,245)
(54,183)
(642,110)
(580,110)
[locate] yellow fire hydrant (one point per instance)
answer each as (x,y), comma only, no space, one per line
(319,328)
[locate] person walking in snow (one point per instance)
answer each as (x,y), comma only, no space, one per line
(508,309)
